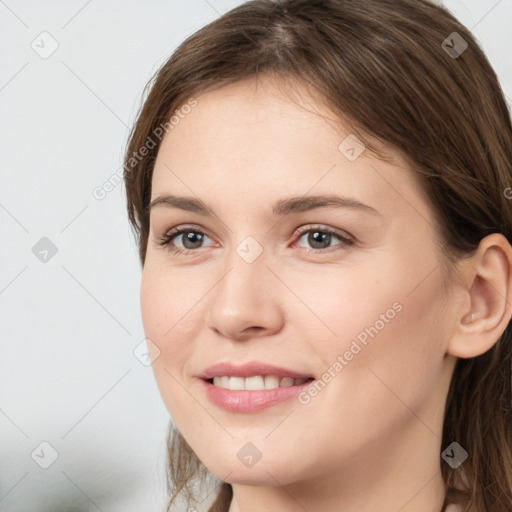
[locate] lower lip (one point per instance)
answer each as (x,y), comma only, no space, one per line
(250,401)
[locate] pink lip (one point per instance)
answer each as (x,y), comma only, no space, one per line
(250,370)
(249,401)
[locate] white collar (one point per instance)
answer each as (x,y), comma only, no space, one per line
(453,507)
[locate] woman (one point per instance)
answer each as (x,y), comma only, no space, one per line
(320,190)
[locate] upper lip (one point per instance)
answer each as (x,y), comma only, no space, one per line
(251,369)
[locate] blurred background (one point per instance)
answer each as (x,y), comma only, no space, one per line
(82,423)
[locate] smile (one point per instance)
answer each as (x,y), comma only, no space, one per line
(256,383)
(242,399)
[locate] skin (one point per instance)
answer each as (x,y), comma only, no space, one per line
(377,424)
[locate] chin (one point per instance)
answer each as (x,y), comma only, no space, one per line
(264,472)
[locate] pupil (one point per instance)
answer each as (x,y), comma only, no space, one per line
(190,236)
(314,235)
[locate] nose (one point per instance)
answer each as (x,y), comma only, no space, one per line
(246,302)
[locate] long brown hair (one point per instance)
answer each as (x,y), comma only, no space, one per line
(407,73)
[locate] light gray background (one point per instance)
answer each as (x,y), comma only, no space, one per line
(68,373)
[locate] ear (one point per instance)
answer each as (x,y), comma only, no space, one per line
(486,306)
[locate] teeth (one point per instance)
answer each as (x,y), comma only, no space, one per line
(257,383)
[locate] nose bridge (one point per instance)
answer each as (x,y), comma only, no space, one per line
(242,298)
(245,271)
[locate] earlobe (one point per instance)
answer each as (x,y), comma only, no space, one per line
(487,308)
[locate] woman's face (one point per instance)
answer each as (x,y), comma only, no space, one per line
(366,317)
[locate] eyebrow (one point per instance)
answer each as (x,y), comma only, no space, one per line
(281,207)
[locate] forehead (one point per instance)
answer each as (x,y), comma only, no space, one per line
(260,141)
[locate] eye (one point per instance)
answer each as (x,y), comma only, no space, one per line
(191,237)
(319,237)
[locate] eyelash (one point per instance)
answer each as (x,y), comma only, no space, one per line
(167,238)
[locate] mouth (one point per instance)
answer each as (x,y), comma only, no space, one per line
(252,386)
(252,394)
(256,382)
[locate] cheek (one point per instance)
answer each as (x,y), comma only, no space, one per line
(167,318)
(386,334)
(156,301)
(387,369)
(170,306)
(170,321)
(346,307)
